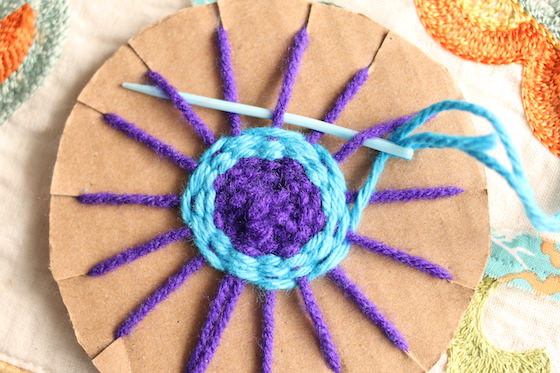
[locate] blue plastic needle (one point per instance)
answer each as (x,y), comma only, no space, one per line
(379,144)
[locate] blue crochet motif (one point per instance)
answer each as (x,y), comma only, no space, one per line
(319,255)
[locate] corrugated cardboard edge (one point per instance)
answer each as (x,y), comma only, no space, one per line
(116,351)
(113,359)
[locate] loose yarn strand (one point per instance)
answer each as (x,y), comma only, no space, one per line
(325,339)
(299,45)
(353,292)
(158,296)
(228,77)
(347,94)
(515,176)
(477,147)
(183,106)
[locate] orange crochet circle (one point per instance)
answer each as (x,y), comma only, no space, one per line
(523,41)
(447,22)
(16,36)
(541,96)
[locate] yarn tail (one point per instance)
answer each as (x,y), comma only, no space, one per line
(158,296)
(478,148)
(352,292)
(325,339)
(415,262)
(218,317)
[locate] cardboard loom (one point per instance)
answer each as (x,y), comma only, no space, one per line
(93,157)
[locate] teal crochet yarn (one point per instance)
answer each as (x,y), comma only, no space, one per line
(50,31)
(318,255)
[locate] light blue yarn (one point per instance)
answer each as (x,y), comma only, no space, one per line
(319,255)
(325,250)
(515,176)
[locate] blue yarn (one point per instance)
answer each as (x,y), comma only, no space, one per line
(476,147)
(326,249)
(439,141)
(321,253)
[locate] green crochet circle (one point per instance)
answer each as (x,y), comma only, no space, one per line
(51,25)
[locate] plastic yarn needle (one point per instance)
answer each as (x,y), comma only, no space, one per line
(379,144)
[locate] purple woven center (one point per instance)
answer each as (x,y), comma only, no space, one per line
(267,207)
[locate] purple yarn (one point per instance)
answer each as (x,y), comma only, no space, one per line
(421,264)
(228,77)
(379,130)
(268,330)
(218,317)
(299,45)
(268,207)
(133,253)
(353,292)
(160,148)
(180,103)
(158,296)
(325,339)
(351,89)
(162,201)
(407,195)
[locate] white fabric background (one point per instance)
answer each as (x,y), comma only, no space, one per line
(516,320)
(34,327)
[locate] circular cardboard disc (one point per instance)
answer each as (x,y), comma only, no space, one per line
(93,157)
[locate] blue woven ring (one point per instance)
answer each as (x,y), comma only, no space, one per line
(319,255)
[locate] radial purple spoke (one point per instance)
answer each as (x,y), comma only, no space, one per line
(183,106)
(407,195)
(299,45)
(139,251)
(268,331)
(348,93)
(218,317)
(358,140)
(325,339)
(105,198)
(415,262)
(158,296)
(160,148)
(353,292)
(228,77)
